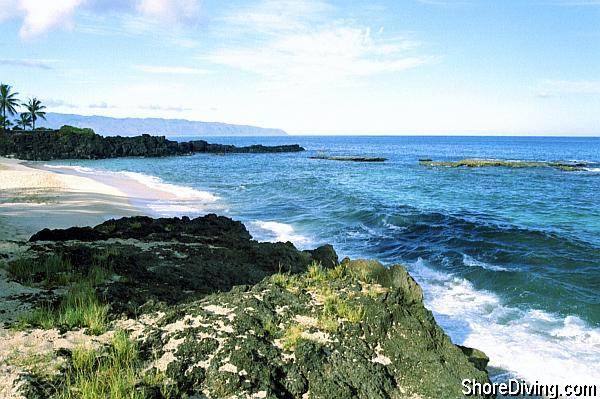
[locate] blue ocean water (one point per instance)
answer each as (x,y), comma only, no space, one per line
(509,259)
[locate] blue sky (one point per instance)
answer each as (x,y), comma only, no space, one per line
(315,67)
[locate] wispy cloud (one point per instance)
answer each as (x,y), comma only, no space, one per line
(102,105)
(298,41)
(170,10)
(171,70)
(55,103)
(164,108)
(27,62)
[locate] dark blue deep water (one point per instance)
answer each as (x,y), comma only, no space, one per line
(509,259)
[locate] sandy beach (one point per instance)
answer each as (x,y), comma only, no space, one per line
(33,197)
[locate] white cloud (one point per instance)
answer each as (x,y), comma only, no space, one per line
(9,10)
(292,41)
(57,103)
(40,16)
(171,10)
(270,16)
(171,70)
(27,62)
(101,105)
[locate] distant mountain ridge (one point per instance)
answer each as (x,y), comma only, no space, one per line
(108,126)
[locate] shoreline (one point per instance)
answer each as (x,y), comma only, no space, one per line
(34,197)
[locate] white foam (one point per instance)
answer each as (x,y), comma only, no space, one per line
(80,169)
(156,183)
(472,262)
(532,344)
(181,192)
(275,231)
(185,200)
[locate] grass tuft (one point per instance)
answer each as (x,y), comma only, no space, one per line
(80,307)
(291,336)
(49,271)
(104,373)
(316,273)
(336,306)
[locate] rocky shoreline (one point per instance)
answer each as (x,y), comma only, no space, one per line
(74,143)
(212,313)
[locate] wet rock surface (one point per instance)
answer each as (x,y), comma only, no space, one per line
(565,166)
(46,145)
(349,158)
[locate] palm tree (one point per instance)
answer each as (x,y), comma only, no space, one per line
(8,102)
(5,123)
(24,120)
(34,110)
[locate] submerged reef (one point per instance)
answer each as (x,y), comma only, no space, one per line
(481,163)
(349,158)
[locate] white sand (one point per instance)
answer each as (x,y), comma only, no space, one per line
(32,199)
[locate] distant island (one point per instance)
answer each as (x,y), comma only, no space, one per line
(107,126)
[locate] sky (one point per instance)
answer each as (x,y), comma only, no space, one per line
(490,67)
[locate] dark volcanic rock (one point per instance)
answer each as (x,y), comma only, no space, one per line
(294,337)
(169,260)
(224,316)
(46,145)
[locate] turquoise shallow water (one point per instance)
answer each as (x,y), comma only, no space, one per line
(509,258)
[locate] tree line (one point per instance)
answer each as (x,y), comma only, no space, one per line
(9,104)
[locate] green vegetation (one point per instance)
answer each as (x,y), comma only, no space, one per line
(8,107)
(24,120)
(343,308)
(40,365)
(80,307)
(481,163)
(35,109)
(68,131)
(329,287)
(56,271)
(49,272)
(8,103)
(291,336)
(285,280)
(114,372)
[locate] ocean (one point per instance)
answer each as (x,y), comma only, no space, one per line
(509,259)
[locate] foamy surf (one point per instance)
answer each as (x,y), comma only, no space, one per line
(179,200)
(472,262)
(530,343)
(275,231)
